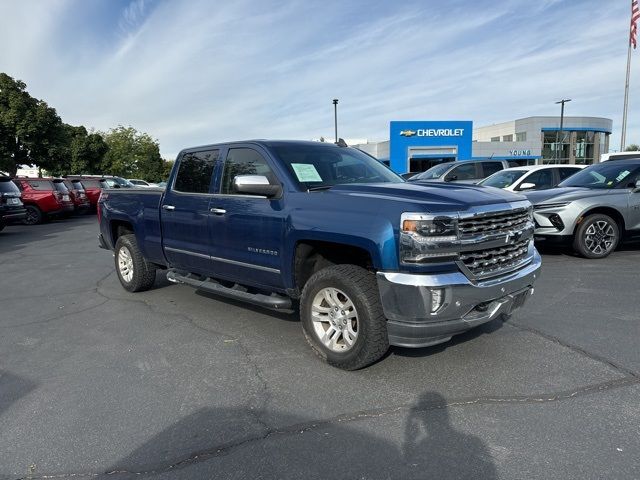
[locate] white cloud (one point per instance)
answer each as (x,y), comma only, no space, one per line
(193,72)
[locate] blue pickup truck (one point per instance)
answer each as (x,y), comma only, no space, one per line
(369,259)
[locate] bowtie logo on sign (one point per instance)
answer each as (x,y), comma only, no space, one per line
(407,133)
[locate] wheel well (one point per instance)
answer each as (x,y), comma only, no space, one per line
(312,256)
(119,228)
(612,212)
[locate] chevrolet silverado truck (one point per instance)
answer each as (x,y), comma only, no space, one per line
(367,259)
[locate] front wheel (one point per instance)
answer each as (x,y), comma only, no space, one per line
(597,236)
(134,272)
(342,317)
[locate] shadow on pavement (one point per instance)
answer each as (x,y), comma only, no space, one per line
(233,443)
(12,389)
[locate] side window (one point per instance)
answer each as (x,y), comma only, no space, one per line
(489,168)
(40,184)
(567,172)
(243,161)
(542,179)
(466,171)
(195,171)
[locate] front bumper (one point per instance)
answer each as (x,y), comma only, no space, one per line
(406,301)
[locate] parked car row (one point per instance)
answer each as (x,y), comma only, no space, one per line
(35,200)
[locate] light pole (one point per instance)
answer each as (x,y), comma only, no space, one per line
(562,102)
(335,117)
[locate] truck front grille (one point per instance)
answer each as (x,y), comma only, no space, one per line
(495,222)
(496,261)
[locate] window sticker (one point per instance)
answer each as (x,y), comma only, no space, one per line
(622,175)
(306,172)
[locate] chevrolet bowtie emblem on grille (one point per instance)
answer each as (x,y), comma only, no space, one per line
(407,133)
(515,236)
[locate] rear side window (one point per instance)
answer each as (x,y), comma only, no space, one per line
(489,168)
(243,161)
(41,184)
(7,186)
(61,187)
(195,171)
(541,179)
(91,183)
(567,172)
(466,171)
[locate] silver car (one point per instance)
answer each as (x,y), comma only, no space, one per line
(592,210)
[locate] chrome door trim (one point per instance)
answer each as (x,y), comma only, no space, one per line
(224,260)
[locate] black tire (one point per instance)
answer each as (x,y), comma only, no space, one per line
(34,215)
(359,286)
(597,236)
(143,273)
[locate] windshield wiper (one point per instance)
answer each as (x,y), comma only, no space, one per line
(322,187)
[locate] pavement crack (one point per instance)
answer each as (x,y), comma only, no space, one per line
(593,356)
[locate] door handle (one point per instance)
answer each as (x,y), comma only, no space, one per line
(218,211)
(168,207)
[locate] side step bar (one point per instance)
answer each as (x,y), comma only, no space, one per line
(274,301)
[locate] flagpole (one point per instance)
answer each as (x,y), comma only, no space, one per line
(626,101)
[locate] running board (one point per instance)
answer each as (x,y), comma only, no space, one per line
(207,284)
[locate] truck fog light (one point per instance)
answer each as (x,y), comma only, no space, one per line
(556,221)
(437,299)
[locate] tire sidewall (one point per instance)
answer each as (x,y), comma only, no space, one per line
(580,240)
(123,241)
(37,214)
(313,286)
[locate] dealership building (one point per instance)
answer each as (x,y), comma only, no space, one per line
(415,146)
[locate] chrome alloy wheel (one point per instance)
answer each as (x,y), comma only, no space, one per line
(335,320)
(125,264)
(600,237)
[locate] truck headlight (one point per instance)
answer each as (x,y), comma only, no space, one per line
(423,237)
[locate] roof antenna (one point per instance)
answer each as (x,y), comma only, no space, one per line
(341,143)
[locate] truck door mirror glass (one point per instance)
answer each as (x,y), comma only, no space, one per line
(256,185)
(527,186)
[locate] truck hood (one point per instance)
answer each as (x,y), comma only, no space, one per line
(436,195)
(565,194)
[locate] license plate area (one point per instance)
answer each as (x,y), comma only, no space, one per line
(13,201)
(65,198)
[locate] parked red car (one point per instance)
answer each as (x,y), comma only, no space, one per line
(44,198)
(78,195)
(92,188)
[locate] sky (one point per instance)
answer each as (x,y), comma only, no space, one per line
(193,72)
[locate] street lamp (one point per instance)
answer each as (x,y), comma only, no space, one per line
(562,102)
(335,117)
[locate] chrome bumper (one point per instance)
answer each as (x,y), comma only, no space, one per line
(406,301)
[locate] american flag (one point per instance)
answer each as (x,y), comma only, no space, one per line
(635,16)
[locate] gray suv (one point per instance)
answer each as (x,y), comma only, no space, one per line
(461,171)
(593,210)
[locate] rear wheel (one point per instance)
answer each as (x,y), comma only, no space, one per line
(134,272)
(597,236)
(34,215)
(342,316)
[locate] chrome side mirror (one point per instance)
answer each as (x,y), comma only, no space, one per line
(256,185)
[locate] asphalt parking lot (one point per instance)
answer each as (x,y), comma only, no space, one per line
(169,383)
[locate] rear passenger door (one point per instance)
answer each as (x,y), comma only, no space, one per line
(184,212)
(246,231)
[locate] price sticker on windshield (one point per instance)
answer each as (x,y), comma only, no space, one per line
(622,175)
(306,172)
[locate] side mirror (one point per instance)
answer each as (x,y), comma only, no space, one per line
(450,178)
(637,187)
(256,185)
(527,186)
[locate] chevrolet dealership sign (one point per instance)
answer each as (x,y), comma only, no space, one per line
(406,136)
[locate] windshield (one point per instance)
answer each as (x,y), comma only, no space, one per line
(502,179)
(433,172)
(322,166)
(602,176)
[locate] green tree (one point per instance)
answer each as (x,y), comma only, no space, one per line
(632,148)
(167,166)
(132,154)
(29,129)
